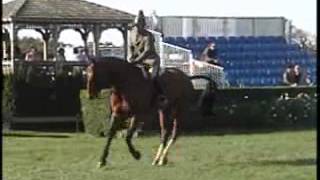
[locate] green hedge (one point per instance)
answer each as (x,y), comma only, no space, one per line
(38,93)
(8,101)
(95,113)
(266,107)
(233,109)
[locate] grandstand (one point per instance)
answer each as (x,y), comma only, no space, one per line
(254,51)
(252,61)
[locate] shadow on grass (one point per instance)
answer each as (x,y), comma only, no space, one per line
(244,131)
(295,162)
(28,135)
(288,162)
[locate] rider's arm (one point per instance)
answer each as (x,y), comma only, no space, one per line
(131,49)
(147,49)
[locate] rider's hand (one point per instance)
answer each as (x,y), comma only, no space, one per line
(134,62)
(131,59)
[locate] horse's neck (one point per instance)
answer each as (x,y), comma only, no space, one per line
(124,75)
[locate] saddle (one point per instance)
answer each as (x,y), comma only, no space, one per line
(161,100)
(146,70)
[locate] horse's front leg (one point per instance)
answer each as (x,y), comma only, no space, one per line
(110,135)
(132,128)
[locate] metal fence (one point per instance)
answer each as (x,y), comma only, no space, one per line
(216,73)
(181,58)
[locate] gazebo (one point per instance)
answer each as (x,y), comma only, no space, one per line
(50,17)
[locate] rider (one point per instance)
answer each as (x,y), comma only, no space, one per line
(143,52)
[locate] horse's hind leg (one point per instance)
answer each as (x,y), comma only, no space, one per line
(163,157)
(111,134)
(132,128)
(164,136)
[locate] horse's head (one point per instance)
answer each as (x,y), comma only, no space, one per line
(100,75)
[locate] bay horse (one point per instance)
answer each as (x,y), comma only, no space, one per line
(131,98)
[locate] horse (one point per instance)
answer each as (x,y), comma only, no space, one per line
(132,96)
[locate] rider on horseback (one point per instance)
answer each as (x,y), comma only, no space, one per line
(143,52)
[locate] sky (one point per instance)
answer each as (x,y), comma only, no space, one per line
(301,13)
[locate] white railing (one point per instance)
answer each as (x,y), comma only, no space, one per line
(215,72)
(181,58)
(112,51)
(175,56)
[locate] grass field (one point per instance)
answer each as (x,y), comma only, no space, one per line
(254,156)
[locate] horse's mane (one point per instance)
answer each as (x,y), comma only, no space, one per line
(116,70)
(116,62)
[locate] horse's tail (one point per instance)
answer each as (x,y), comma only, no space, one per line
(209,92)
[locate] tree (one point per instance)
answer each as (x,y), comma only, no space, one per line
(305,39)
(25,43)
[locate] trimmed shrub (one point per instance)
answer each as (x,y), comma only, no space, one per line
(8,103)
(40,93)
(271,111)
(95,113)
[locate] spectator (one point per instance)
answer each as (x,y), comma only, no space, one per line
(60,55)
(82,56)
(154,21)
(31,54)
(294,76)
(301,77)
(289,77)
(209,54)
(75,54)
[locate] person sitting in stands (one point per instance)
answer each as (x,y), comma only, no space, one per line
(289,76)
(209,54)
(294,76)
(301,77)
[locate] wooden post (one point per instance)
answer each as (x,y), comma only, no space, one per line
(45,40)
(124,31)
(55,36)
(84,32)
(13,38)
(96,38)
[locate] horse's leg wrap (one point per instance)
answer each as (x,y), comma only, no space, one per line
(157,157)
(164,136)
(164,154)
(132,128)
(111,134)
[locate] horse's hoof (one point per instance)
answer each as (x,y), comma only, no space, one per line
(155,162)
(136,155)
(163,162)
(101,164)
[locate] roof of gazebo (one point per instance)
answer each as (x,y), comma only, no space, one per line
(62,11)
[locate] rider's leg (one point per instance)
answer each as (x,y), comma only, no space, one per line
(160,95)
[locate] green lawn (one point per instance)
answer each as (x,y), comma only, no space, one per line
(259,156)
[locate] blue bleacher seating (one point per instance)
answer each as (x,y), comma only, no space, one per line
(252,61)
